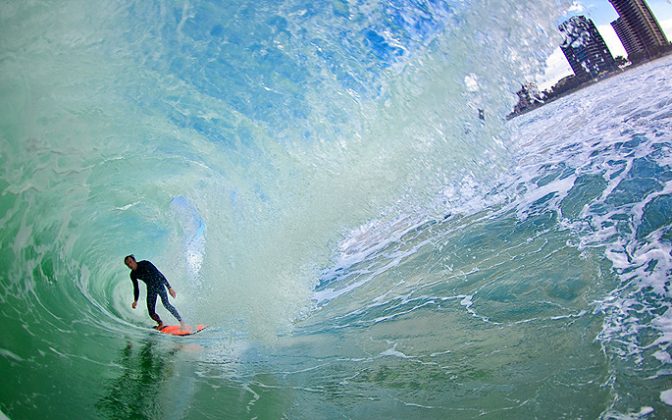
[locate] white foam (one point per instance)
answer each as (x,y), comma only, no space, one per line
(10,355)
(663,356)
(395,353)
(645,411)
(663,324)
(471,82)
(666,397)
(127,206)
(598,121)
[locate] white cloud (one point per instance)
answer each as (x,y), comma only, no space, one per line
(667,28)
(576,7)
(557,67)
(612,41)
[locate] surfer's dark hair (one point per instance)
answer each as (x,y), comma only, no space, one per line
(131,256)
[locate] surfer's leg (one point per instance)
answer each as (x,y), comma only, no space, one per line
(151,305)
(167,305)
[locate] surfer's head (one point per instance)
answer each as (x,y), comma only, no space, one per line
(130,262)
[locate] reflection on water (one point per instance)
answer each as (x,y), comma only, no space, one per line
(166,379)
(134,394)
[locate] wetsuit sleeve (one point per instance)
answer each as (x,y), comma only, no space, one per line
(159,275)
(163,278)
(136,291)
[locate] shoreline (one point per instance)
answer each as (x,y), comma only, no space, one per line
(586,84)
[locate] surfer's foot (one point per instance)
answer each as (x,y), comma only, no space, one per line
(184,326)
(159,327)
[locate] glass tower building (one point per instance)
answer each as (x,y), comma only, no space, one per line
(639,31)
(585,49)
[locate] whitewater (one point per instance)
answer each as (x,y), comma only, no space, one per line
(333,188)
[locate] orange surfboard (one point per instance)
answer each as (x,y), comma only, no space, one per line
(175,330)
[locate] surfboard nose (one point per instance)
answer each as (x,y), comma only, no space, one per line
(176,330)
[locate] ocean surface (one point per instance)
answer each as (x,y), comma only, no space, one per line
(333,188)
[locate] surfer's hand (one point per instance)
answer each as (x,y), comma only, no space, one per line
(172,292)
(134,304)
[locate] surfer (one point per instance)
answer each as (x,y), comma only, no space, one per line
(156,286)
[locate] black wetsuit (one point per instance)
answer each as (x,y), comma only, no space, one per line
(155,281)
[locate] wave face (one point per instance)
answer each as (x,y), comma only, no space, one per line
(331,188)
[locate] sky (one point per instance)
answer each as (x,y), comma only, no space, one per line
(602,13)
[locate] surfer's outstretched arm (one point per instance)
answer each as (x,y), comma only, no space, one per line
(136,291)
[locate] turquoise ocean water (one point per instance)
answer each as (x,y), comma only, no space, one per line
(315,180)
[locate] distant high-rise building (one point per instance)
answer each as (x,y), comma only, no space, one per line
(627,36)
(585,49)
(639,31)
